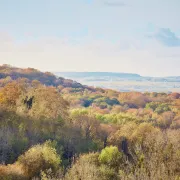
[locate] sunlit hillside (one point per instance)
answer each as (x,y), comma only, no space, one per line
(56,128)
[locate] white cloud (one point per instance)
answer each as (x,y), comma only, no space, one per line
(54,54)
(166,37)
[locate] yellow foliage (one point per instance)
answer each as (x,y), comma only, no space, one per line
(39,157)
(2,98)
(142,131)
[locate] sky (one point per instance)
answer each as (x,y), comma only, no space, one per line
(134,36)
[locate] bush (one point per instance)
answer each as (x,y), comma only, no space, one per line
(39,157)
(86,167)
(110,156)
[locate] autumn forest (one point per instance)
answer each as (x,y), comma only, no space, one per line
(52,128)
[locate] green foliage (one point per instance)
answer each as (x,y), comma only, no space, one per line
(120,118)
(77,112)
(110,156)
(105,102)
(39,157)
(152,105)
(162,108)
(158,107)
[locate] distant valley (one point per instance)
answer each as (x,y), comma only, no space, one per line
(125,82)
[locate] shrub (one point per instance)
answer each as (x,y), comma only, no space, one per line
(86,167)
(39,157)
(110,156)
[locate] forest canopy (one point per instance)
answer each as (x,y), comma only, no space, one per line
(56,128)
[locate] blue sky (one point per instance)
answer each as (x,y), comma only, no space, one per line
(141,36)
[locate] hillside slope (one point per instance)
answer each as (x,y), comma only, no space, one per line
(47,78)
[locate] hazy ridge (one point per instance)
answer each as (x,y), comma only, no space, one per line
(125,81)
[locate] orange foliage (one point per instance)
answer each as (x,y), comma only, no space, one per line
(10,93)
(12,171)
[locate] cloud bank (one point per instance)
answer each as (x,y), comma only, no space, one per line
(166,37)
(55,54)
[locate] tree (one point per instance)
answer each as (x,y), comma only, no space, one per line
(10,94)
(110,156)
(47,103)
(86,167)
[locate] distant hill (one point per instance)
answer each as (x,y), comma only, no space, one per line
(97,74)
(125,81)
(103,76)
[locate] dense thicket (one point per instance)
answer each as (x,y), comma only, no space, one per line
(53,128)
